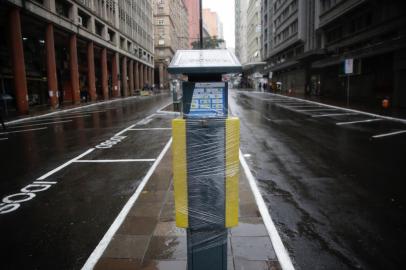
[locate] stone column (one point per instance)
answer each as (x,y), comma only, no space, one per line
(137,76)
(90,71)
(105,75)
(153,76)
(131,76)
(124,76)
(114,74)
(161,75)
(51,66)
(17,57)
(141,75)
(74,69)
(146,74)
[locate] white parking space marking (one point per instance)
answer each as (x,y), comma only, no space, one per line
(280,250)
(139,129)
(389,134)
(358,122)
(83,113)
(3,139)
(304,106)
(101,247)
(114,160)
(25,130)
(81,109)
(51,119)
(340,108)
(163,107)
(65,164)
(316,110)
(333,114)
(40,124)
(124,130)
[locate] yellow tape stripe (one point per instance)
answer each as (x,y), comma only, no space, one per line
(179,172)
(232,170)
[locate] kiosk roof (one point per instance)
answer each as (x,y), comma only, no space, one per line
(204,61)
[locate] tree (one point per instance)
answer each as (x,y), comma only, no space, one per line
(208,43)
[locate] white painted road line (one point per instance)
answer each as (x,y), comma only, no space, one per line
(3,139)
(124,130)
(305,106)
(139,129)
(82,113)
(70,110)
(65,164)
(114,160)
(317,110)
(25,130)
(357,122)
(333,114)
(341,108)
(40,124)
(280,250)
(55,118)
(389,134)
(101,247)
(160,109)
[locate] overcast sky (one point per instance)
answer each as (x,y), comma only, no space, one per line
(225,10)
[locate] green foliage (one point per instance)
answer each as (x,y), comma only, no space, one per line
(208,43)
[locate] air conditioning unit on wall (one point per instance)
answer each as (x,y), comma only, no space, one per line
(79,20)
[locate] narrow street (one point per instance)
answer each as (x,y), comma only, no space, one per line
(333,180)
(67,176)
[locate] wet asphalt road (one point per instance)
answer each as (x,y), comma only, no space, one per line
(60,226)
(335,193)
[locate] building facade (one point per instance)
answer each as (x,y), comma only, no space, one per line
(62,51)
(171,34)
(241,7)
(305,44)
(192,7)
(254,32)
(373,33)
(288,41)
(213,24)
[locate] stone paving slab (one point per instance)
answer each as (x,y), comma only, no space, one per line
(149,239)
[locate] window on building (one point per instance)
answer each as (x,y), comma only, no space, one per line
(63,8)
(334,34)
(83,19)
(99,28)
(160,22)
(111,35)
(122,43)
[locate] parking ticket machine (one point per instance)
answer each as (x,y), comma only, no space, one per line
(205,156)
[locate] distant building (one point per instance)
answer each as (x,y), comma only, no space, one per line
(171,34)
(60,51)
(193,20)
(288,33)
(214,26)
(241,7)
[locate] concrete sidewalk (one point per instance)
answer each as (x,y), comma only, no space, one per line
(149,239)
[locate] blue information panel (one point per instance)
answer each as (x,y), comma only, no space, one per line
(209,100)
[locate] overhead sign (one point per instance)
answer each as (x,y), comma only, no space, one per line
(349,66)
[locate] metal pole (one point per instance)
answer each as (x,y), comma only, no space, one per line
(201,24)
(348,90)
